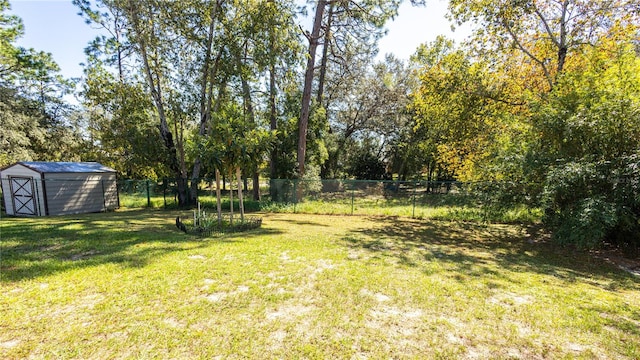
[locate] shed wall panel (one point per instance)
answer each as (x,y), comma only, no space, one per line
(73,193)
(111,192)
(6,194)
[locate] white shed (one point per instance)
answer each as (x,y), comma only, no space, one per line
(38,188)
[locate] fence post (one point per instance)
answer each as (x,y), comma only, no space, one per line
(148,195)
(413,213)
(352,196)
(295,194)
(164,192)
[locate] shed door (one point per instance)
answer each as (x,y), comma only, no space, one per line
(24,202)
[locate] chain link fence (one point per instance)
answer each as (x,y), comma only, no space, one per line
(164,193)
(417,199)
(347,197)
(366,197)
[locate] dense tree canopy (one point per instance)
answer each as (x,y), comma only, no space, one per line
(36,123)
(544,98)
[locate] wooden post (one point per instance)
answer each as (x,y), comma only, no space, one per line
(240,201)
(148,195)
(218,197)
(231,197)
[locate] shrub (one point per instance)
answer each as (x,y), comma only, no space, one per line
(367,166)
(590,203)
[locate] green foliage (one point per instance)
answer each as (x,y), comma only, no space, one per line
(127,138)
(310,181)
(373,108)
(36,123)
(367,166)
(547,36)
(233,141)
(286,138)
(587,151)
(459,111)
(537,117)
(20,130)
(196,72)
(593,112)
(590,203)
(206,224)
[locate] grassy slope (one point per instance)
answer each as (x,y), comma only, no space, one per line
(128,285)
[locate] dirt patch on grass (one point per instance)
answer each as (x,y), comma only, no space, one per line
(173,323)
(9,344)
(221,295)
(289,312)
(84,255)
(276,339)
(396,322)
(90,301)
(511,299)
(379,297)
(616,258)
(217,296)
(322,265)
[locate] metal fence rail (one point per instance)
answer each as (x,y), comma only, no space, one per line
(164,193)
(418,199)
(359,196)
(372,197)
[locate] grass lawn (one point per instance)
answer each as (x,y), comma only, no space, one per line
(129,285)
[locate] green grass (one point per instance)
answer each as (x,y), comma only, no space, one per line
(129,285)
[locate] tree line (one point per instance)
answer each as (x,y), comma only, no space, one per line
(541,104)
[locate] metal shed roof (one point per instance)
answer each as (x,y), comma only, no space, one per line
(66,167)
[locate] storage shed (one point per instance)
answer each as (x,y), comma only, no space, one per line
(38,188)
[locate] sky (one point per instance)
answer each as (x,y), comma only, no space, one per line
(55,27)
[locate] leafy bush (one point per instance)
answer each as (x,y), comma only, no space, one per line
(500,201)
(367,166)
(207,224)
(590,203)
(311,182)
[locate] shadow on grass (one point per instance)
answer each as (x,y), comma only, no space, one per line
(299,222)
(473,249)
(236,236)
(36,247)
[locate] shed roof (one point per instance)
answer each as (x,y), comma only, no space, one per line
(66,167)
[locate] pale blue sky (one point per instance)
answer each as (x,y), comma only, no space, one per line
(54,26)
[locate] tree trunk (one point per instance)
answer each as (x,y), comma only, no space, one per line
(303,123)
(156,94)
(240,198)
(273,116)
(325,52)
(273,119)
(256,186)
(205,99)
(246,91)
(562,45)
(218,198)
(231,198)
